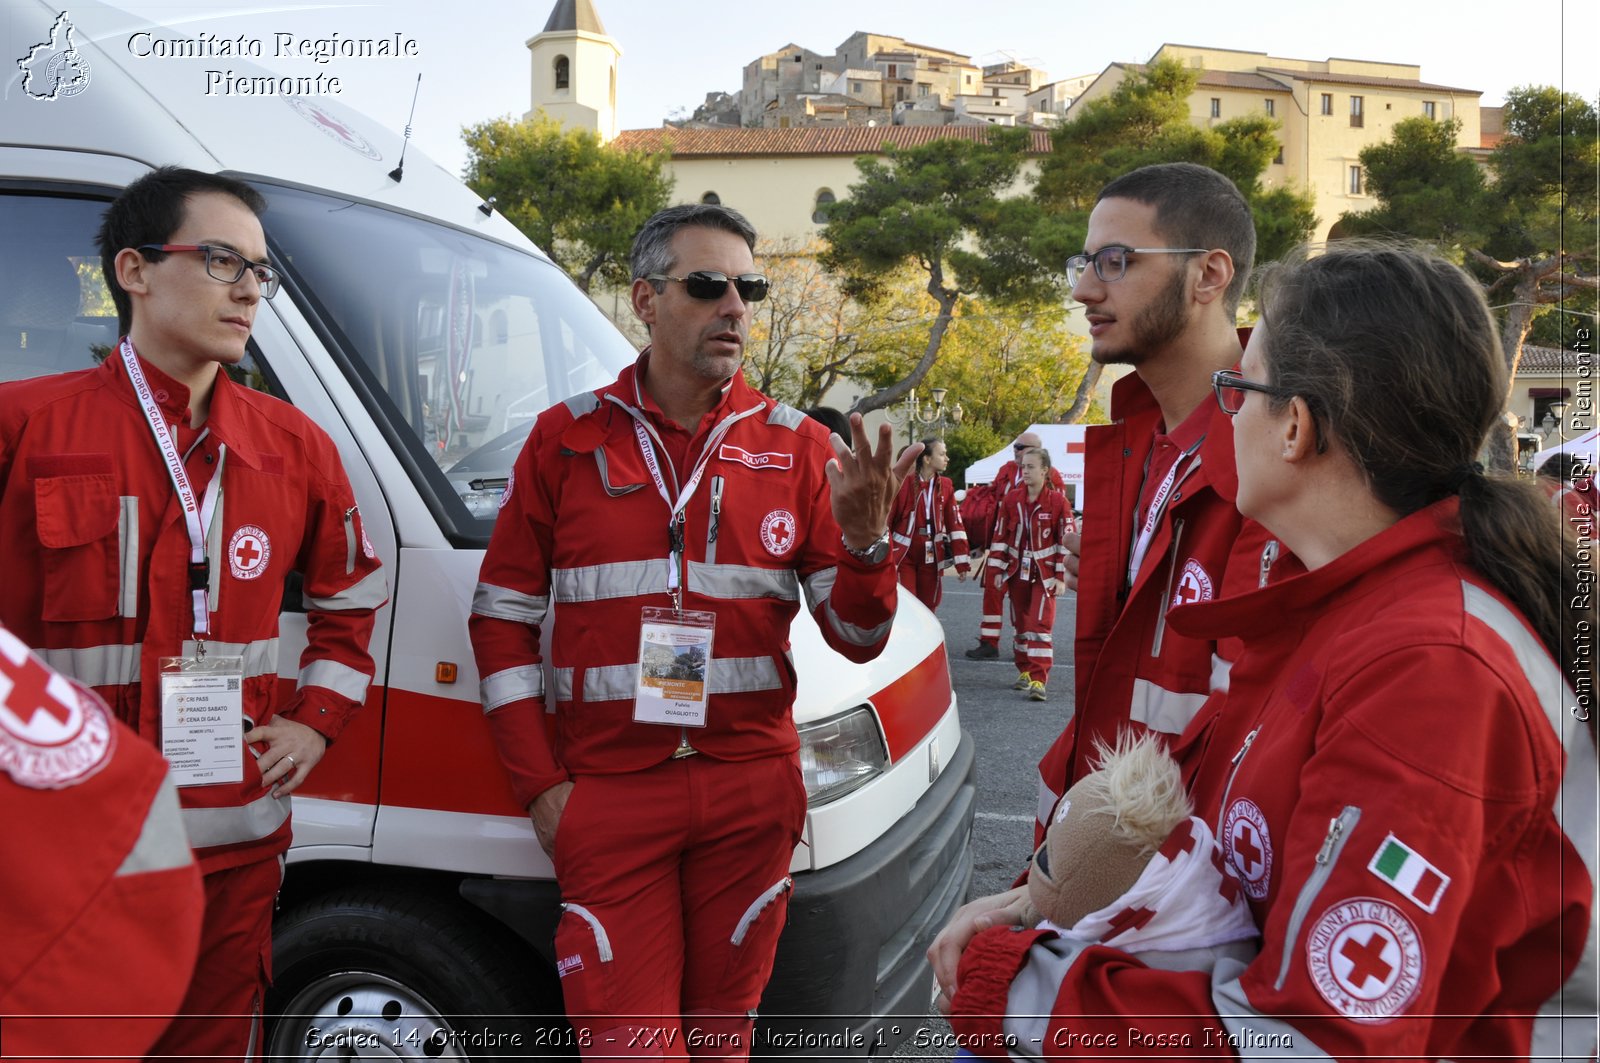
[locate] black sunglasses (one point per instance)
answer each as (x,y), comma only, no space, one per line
(709,284)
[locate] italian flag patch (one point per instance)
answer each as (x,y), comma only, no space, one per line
(1410,873)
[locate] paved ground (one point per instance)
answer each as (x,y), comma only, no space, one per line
(1011,733)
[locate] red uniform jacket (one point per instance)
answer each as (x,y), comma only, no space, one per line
(1028,536)
(97,572)
(583,531)
(100,898)
(913,522)
(1385,776)
(982,503)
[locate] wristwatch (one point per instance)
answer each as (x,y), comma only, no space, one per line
(873,553)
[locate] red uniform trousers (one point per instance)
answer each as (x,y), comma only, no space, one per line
(220,1017)
(994,597)
(675,882)
(921,578)
(1033,615)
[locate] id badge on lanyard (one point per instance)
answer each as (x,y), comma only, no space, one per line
(202,698)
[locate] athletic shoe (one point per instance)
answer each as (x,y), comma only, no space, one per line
(1023,679)
(1036,691)
(983,652)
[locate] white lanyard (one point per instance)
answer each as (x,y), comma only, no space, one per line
(196,516)
(927,502)
(1158,506)
(645,434)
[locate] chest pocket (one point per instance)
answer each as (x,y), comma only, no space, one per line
(86,575)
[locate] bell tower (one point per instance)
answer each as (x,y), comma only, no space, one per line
(575,69)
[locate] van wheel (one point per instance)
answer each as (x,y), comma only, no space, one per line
(369,974)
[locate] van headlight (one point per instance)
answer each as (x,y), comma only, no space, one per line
(841,753)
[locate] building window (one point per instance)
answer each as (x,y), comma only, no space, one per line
(1357,105)
(922,90)
(1327,103)
(1430,110)
(819,212)
(893,68)
(563,72)
(711,199)
(855,88)
(1272,107)
(1355,180)
(1216,107)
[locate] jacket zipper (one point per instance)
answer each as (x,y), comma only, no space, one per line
(1238,758)
(349,540)
(1339,829)
(716,516)
(1166,598)
(1269,554)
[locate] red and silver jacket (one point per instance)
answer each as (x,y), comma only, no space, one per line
(1402,784)
(97,579)
(100,898)
(982,503)
(1028,536)
(583,535)
(925,510)
(1132,672)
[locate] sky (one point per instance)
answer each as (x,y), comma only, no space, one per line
(475,66)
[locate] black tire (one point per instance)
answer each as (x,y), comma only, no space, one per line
(372,973)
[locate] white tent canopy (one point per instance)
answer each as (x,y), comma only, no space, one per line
(1063,441)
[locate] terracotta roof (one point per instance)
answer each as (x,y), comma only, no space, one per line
(804,140)
(1552,360)
(1490,141)
(1326,78)
(1242,79)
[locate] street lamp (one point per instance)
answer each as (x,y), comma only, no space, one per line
(1554,422)
(918,417)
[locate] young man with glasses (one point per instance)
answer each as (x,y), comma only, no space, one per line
(979,511)
(672,520)
(1166,257)
(152,509)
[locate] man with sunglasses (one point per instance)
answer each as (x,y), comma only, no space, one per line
(152,509)
(978,511)
(1166,257)
(672,520)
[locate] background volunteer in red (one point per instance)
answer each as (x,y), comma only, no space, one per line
(925,529)
(666,526)
(979,510)
(1028,561)
(152,508)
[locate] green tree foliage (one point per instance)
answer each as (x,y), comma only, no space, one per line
(943,209)
(1425,189)
(578,199)
(805,336)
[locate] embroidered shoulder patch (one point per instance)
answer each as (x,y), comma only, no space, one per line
(1194,584)
(1410,873)
(54,733)
(1366,959)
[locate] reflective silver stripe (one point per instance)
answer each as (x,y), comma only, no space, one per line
(959,534)
(856,636)
(226,826)
(620,579)
(786,417)
(759,905)
(1266,1034)
(1161,709)
(128,557)
(512,684)
(503,603)
(619,682)
(339,678)
(260,657)
(742,581)
(162,843)
(579,405)
(97,666)
(903,540)
(1220,671)
(602,943)
(818,586)
(1338,834)
(369,593)
(1560,1031)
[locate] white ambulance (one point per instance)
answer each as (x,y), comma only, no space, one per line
(424,333)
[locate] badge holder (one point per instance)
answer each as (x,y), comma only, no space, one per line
(202,719)
(674,667)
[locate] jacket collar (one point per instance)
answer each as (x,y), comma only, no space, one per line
(223,418)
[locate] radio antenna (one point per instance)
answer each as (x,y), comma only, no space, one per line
(400,170)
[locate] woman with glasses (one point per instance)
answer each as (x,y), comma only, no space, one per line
(925,527)
(1400,773)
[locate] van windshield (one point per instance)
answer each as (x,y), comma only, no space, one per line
(456,342)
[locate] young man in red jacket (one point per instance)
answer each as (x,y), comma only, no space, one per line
(1167,254)
(152,509)
(672,520)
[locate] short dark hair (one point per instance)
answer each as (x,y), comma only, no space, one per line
(1195,207)
(831,419)
(149,211)
(652,247)
(1565,466)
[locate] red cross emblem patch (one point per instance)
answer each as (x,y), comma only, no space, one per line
(1366,959)
(1194,585)
(778,532)
(53,732)
(1248,845)
(248,552)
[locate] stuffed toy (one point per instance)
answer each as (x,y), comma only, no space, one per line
(1126,863)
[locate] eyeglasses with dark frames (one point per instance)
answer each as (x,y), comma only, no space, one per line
(1111,262)
(1231,388)
(710,285)
(227,265)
